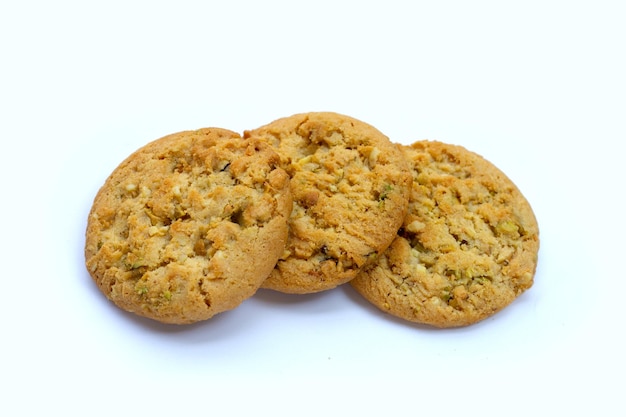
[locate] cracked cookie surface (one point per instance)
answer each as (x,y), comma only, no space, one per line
(189,225)
(467,248)
(350,188)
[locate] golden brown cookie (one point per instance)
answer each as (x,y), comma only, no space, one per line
(350,187)
(468,246)
(189,225)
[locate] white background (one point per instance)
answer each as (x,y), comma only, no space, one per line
(537,87)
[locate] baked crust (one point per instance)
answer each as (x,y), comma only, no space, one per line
(350,188)
(468,245)
(189,225)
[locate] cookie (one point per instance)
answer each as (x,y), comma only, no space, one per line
(467,248)
(350,188)
(189,225)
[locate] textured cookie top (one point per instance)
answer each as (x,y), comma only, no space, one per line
(350,187)
(468,246)
(189,225)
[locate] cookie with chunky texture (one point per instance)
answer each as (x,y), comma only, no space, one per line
(189,225)
(468,246)
(350,188)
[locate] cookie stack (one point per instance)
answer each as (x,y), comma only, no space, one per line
(194,223)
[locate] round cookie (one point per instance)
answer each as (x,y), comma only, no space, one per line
(468,246)
(350,188)
(189,225)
